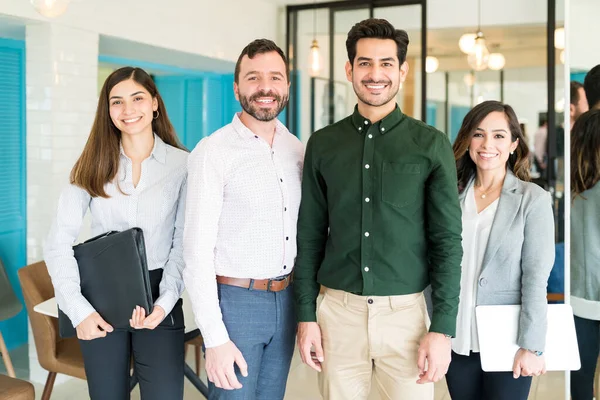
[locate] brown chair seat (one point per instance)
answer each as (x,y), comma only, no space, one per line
(15,389)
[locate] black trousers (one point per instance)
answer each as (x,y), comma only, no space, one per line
(158,357)
(467,381)
(588,340)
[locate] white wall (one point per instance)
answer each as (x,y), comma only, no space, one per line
(584,31)
(211,28)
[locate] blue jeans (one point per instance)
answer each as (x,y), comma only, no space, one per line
(263,327)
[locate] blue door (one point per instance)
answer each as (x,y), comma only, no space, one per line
(13,219)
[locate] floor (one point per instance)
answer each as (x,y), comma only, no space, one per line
(302,383)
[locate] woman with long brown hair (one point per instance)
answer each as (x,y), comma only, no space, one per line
(585,252)
(508,251)
(132,173)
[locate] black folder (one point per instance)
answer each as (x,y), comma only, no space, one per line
(114,278)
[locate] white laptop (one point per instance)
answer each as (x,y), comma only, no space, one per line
(497,327)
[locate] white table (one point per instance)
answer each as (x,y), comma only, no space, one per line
(50,308)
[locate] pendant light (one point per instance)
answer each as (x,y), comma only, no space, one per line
(314,60)
(479,56)
(50,8)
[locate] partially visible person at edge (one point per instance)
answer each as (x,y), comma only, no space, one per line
(585,252)
(132,173)
(508,244)
(379,221)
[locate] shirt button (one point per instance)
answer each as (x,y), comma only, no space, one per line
(284,208)
(367,166)
(482,282)
(366,269)
(370,136)
(382,129)
(367,234)
(281,180)
(287,238)
(285,267)
(366,122)
(367,200)
(360,128)
(370,301)
(256,136)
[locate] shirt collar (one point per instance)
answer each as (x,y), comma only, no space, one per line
(362,124)
(245,132)
(159,151)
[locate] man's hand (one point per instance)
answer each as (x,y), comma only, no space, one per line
(436,349)
(309,337)
(219,366)
(139,321)
(93,327)
(528,364)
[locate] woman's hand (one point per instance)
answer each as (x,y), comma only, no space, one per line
(140,321)
(93,327)
(528,364)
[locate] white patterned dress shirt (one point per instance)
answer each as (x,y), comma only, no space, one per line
(156,205)
(242,209)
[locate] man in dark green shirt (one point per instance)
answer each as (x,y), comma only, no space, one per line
(379,221)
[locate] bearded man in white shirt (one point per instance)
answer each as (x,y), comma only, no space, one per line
(240,234)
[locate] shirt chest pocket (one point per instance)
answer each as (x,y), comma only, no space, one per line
(401,184)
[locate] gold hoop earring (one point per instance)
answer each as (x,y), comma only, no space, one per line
(157,114)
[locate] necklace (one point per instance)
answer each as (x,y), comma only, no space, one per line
(484,194)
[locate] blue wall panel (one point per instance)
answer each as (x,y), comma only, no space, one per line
(13,197)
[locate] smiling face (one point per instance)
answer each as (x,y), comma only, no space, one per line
(491,143)
(131,108)
(376,74)
(262,89)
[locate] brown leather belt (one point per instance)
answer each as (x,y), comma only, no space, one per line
(269,285)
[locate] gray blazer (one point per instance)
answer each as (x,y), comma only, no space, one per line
(519,257)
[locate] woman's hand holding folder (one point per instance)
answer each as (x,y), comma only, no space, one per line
(93,327)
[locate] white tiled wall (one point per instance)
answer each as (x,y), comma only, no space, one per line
(61,79)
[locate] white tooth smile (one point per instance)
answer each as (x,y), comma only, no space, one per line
(265,101)
(128,121)
(487,155)
(375,86)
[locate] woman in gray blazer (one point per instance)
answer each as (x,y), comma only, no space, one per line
(585,251)
(508,251)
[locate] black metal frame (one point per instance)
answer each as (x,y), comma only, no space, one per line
(551,79)
(371,5)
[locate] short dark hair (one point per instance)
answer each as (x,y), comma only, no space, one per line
(591,84)
(575,86)
(377,29)
(260,46)
(585,152)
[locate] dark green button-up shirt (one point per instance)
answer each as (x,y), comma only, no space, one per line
(380,215)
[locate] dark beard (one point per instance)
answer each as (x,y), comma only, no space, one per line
(263,114)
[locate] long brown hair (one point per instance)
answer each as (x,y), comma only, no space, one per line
(585,152)
(518,162)
(99,161)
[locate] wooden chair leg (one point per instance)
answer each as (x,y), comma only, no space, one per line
(6,358)
(198,360)
(49,386)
